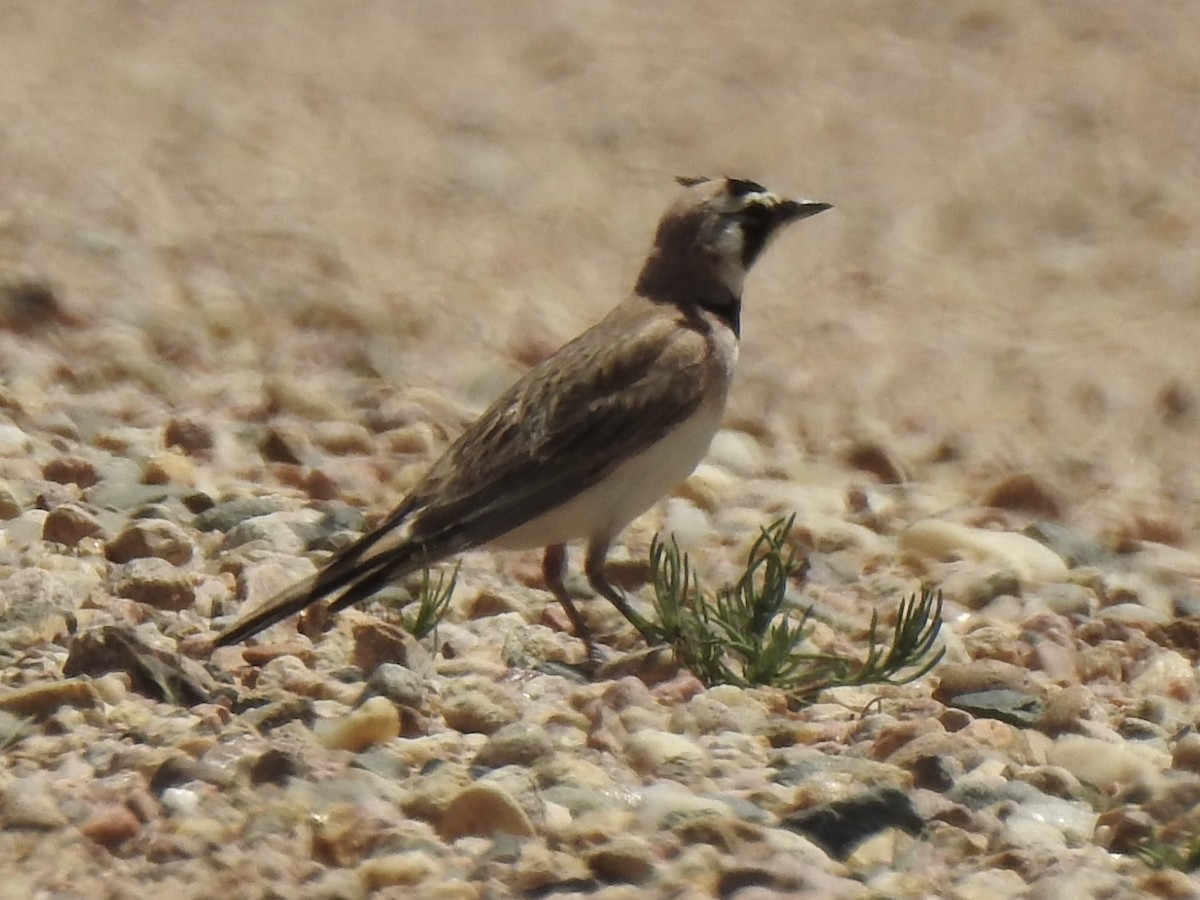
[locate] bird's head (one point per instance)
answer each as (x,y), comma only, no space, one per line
(714,232)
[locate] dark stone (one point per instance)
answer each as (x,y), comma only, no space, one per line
(71,470)
(934,773)
(1005,705)
(276,447)
(68,524)
(194,438)
(841,825)
(225,515)
(198,501)
(174,771)
(27,301)
(273,767)
(1075,547)
(122,496)
(272,715)
(401,685)
(152,673)
(1024,492)
(736,879)
(582,886)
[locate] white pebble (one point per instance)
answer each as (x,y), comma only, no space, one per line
(26,528)
(1133,612)
(1025,556)
(737,452)
(666,801)
(1070,822)
(1102,763)
(1136,588)
(180,801)
(1026,831)
(685,523)
(13,441)
(1167,674)
(651,750)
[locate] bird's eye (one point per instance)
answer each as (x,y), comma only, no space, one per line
(756,212)
(755,219)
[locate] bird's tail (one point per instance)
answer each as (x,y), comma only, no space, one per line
(357,572)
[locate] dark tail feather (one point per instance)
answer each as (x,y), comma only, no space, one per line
(288,602)
(357,577)
(369,584)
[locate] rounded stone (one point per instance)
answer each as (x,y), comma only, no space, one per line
(150,538)
(484,809)
(375,722)
(69,524)
(110,826)
(1023,555)
(515,744)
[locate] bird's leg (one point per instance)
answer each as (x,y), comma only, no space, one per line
(554,571)
(597,554)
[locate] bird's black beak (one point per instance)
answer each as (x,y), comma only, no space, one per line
(795,210)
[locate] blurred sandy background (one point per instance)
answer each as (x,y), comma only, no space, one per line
(356,199)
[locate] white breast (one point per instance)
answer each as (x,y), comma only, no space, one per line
(605,508)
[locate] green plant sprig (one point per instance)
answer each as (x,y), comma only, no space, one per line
(745,636)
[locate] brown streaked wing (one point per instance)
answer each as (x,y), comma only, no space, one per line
(564,426)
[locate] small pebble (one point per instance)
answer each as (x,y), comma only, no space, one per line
(156,583)
(485,810)
(71,470)
(662,753)
(1025,492)
(44,697)
(150,538)
(518,744)
(395,870)
(1104,763)
(375,722)
(401,685)
(10,505)
(736,451)
(377,644)
(224,516)
(275,530)
(1025,556)
(477,707)
(343,437)
(190,435)
(13,441)
(1167,674)
(624,860)
(1186,754)
(30,804)
(110,826)
(169,469)
(69,524)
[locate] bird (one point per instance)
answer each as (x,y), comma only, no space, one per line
(593,435)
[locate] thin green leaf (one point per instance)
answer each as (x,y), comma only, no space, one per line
(433,602)
(744,635)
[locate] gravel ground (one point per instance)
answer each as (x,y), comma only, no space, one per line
(258,265)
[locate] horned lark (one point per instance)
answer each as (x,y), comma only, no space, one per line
(592,436)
